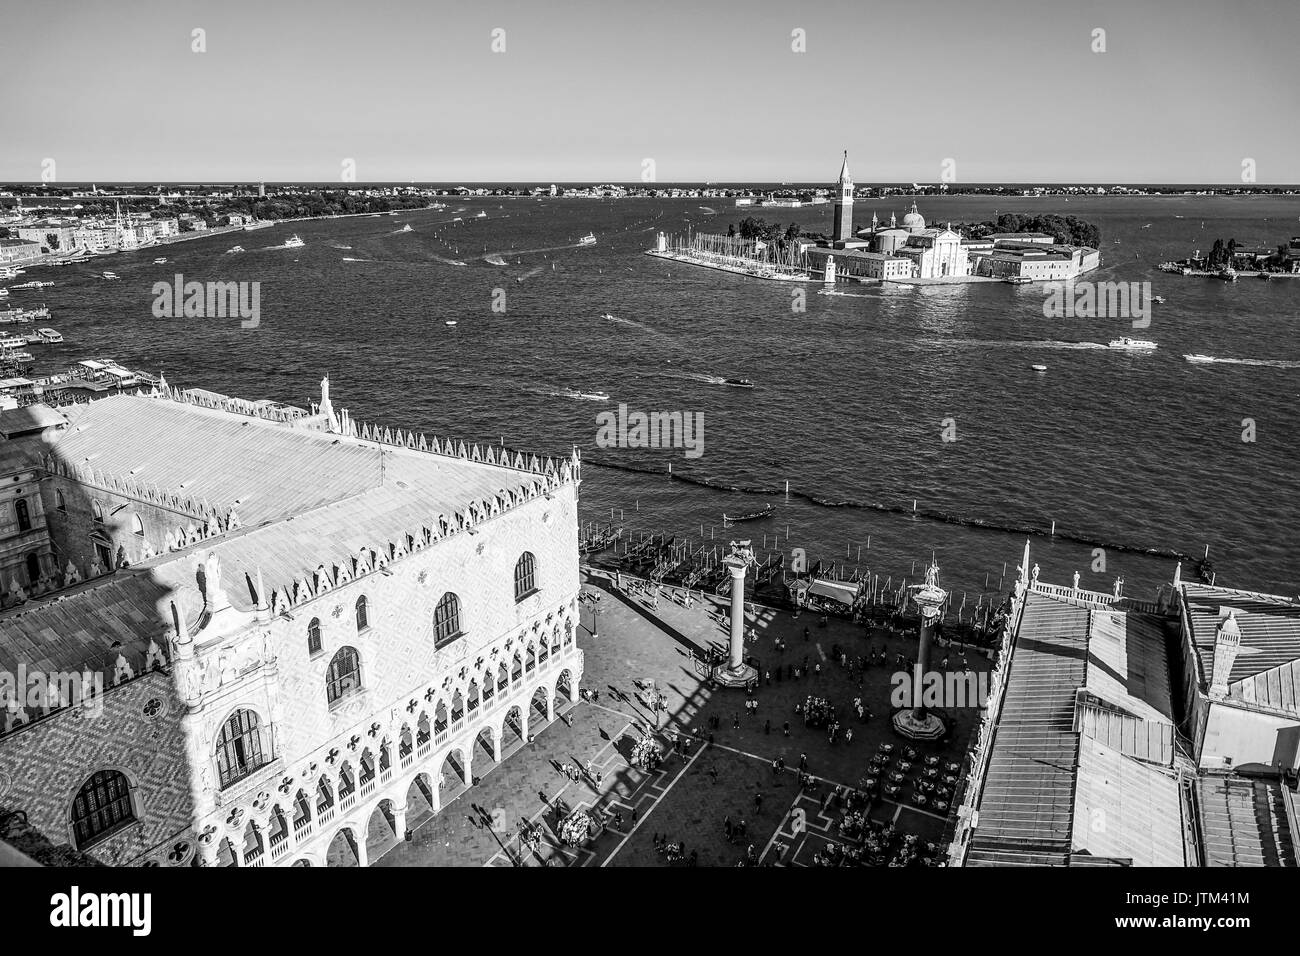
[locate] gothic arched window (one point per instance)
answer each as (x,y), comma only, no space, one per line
(344,675)
(101,806)
(525,576)
(313,636)
(239,748)
(363,613)
(446,620)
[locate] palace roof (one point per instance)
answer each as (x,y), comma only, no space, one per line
(309,509)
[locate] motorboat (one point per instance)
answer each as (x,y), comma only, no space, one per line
(1131,345)
(588,240)
(1159,299)
(1039,368)
(110,275)
(1200,359)
(738,382)
(159,262)
(1018,280)
(293,242)
(234,249)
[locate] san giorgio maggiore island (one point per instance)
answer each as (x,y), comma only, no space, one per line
(906,252)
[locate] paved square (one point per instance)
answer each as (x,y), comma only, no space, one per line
(686,799)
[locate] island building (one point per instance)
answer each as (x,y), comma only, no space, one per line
(243,633)
(910,249)
(1122,732)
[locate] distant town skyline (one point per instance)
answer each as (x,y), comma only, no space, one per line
(993,92)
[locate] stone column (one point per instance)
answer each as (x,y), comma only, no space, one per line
(737,569)
(359,848)
(399,821)
(735,672)
(917,722)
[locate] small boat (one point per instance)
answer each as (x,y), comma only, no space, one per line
(588,240)
(1227,275)
(481,215)
(49,336)
(1018,280)
(1159,299)
(110,275)
(738,382)
(1039,368)
(764,512)
(1131,345)
(1263,275)
(594,396)
(159,262)
(1199,359)
(28,285)
(234,249)
(293,242)
(450,322)
(406,228)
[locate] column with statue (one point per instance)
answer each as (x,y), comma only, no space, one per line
(918,722)
(735,672)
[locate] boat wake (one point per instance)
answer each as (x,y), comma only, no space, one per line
(336,245)
(1263,363)
(1030,344)
(691,377)
(847,295)
(450,262)
(610,317)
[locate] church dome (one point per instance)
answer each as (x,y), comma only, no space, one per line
(914,221)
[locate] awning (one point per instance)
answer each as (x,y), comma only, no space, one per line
(835,590)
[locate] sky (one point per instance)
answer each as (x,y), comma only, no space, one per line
(1186,91)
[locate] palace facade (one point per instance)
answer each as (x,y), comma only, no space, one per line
(258,630)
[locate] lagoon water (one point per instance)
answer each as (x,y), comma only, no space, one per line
(1134,450)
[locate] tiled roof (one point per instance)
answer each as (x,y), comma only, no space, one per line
(1026,807)
(1127,809)
(1270,629)
(305,498)
(1247,822)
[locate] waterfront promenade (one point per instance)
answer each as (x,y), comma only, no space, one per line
(726,771)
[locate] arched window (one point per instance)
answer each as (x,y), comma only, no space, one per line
(59,501)
(239,748)
(313,636)
(137,525)
(24,515)
(525,576)
(97,511)
(363,613)
(446,620)
(102,806)
(344,675)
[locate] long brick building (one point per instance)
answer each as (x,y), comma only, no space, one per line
(255,635)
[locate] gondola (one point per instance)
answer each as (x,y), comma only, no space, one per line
(765,512)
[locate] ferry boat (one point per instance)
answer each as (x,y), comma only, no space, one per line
(34,284)
(588,240)
(49,336)
(1131,345)
(1018,280)
(293,242)
(12,341)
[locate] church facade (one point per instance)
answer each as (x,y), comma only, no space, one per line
(273,633)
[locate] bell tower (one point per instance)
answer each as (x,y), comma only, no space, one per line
(842,230)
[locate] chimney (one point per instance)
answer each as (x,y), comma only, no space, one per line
(1227,641)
